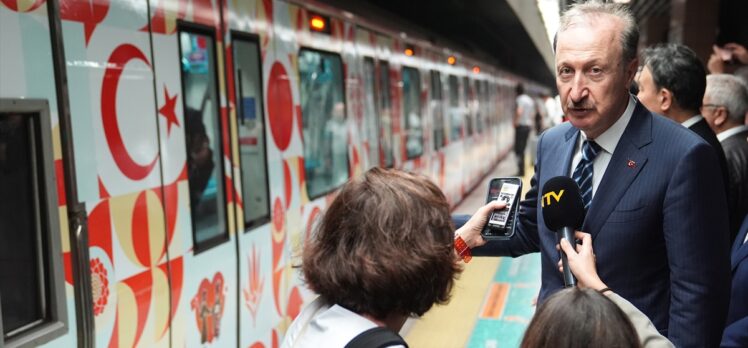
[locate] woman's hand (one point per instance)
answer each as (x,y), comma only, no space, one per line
(470,231)
(582,262)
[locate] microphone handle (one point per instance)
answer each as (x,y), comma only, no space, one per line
(568,233)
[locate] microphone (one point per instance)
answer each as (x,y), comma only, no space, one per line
(563,212)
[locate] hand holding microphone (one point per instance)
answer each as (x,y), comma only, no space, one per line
(582,262)
(563,212)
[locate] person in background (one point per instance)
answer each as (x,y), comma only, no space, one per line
(730,54)
(382,252)
(672,81)
(736,329)
(724,108)
(522,122)
(660,228)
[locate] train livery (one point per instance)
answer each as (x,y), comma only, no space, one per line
(162,161)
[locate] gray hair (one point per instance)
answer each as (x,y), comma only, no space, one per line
(583,11)
(730,92)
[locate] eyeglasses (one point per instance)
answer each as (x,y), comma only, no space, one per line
(710,105)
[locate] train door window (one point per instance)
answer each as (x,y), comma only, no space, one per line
(325,131)
(468,106)
(440,138)
(252,153)
(455,111)
(413,119)
(32,288)
(203,137)
(478,100)
(486,102)
(385,115)
(371,121)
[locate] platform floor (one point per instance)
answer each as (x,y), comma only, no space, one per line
(493,301)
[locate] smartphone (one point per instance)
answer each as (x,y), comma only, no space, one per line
(501,223)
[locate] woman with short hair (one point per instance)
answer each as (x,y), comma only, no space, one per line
(383,252)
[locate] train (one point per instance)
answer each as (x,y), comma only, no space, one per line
(162,162)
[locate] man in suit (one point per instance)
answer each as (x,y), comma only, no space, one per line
(672,81)
(659,227)
(724,108)
(736,331)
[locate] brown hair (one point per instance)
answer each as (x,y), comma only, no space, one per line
(384,246)
(580,318)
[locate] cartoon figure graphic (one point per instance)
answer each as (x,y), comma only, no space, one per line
(208,304)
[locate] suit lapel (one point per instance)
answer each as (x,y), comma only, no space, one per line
(740,250)
(627,161)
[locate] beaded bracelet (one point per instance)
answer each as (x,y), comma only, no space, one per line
(462,249)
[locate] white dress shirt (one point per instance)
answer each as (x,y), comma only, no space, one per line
(691,121)
(730,132)
(608,142)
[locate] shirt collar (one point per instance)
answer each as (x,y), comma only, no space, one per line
(730,132)
(691,121)
(609,139)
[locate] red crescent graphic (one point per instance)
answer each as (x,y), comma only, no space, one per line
(117,61)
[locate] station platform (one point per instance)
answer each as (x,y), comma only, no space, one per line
(494,299)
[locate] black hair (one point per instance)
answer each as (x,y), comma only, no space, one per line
(676,68)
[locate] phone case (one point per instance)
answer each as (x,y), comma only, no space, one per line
(501,224)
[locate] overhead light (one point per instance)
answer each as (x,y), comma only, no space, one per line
(622,1)
(409,51)
(476,69)
(451,60)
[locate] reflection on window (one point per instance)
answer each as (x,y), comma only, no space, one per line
(413,121)
(371,126)
(440,138)
(385,115)
(21,287)
(251,132)
(203,139)
(325,131)
(456,111)
(31,281)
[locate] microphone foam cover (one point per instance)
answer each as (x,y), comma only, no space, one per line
(562,204)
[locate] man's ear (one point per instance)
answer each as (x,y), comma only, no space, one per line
(665,97)
(631,70)
(720,116)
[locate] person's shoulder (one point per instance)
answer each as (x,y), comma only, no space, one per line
(677,137)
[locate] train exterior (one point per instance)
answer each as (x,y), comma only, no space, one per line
(208,136)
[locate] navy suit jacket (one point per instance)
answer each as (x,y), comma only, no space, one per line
(736,332)
(658,222)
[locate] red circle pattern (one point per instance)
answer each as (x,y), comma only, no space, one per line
(280,106)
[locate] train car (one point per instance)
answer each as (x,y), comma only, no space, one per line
(162,162)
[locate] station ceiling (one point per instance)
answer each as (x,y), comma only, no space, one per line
(486,29)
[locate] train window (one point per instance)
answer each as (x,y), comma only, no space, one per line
(478,100)
(203,138)
(468,106)
(385,115)
(440,138)
(371,121)
(455,111)
(32,287)
(413,119)
(486,107)
(325,130)
(252,154)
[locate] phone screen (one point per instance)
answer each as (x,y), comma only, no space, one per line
(501,223)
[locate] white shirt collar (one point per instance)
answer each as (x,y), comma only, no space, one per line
(609,139)
(691,121)
(730,132)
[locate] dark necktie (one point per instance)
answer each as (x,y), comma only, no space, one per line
(583,172)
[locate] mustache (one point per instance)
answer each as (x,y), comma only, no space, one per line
(582,104)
